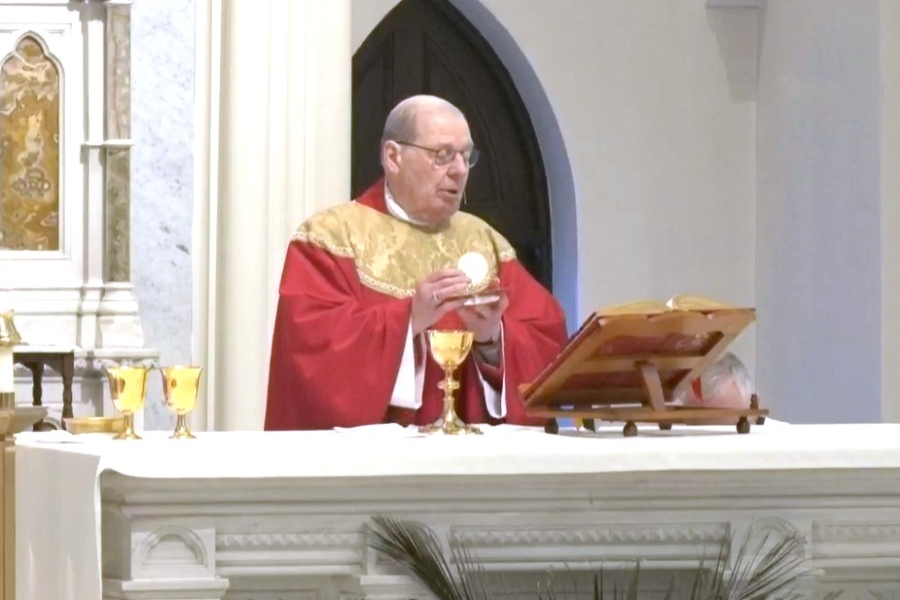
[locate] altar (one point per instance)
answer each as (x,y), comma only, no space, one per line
(265,516)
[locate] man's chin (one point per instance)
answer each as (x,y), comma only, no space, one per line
(449,197)
(450,204)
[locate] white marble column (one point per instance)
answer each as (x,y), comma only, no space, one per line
(273,146)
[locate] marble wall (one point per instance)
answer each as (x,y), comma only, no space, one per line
(162,183)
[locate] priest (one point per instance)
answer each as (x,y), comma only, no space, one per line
(365,280)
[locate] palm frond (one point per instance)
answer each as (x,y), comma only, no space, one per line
(710,582)
(767,565)
(632,593)
(471,573)
(415,547)
(670,592)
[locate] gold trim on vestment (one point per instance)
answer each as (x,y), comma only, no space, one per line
(391,255)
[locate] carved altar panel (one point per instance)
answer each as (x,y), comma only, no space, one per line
(227,517)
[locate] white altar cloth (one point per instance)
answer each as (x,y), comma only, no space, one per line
(58,490)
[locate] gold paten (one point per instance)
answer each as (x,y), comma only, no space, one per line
(449,349)
(95,425)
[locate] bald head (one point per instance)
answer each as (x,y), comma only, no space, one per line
(402,124)
(418,130)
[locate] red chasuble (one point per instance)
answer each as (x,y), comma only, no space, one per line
(343,317)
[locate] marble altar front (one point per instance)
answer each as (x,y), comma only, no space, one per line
(248,515)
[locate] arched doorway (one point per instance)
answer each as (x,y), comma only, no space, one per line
(428,46)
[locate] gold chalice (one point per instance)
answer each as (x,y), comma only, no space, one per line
(449,349)
(128,387)
(180,386)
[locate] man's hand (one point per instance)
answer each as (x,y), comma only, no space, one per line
(484,319)
(436,295)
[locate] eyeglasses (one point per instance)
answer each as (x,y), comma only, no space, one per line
(443,157)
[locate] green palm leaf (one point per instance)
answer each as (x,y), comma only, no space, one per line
(415,547)
(767,565)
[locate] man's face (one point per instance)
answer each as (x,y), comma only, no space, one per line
(429,193)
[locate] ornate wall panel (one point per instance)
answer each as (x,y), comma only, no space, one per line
(65,201)
(29,147)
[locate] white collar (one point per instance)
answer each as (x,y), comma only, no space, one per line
(396,210)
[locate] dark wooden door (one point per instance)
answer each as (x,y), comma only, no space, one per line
(429,47)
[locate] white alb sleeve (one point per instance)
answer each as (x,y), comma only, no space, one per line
(410,378)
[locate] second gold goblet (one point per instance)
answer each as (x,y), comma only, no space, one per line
(449,349)
(128,387)
(180,387)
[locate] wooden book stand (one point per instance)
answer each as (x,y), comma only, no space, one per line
(624,367)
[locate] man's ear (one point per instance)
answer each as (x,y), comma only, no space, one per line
(390,156)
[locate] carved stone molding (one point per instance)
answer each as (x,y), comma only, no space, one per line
(244,541)
(390,587)
(173,545)
(168,552)
(166,589)
(696,533)
(856,532)
(289,554)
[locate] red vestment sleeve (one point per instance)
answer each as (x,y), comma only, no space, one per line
(336,346)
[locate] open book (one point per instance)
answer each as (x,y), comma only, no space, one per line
(626,361)
(655,307)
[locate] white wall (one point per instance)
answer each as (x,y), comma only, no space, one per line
(818,243)
(655,105)
(890,209)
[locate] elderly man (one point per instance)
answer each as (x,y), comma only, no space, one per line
(363,281)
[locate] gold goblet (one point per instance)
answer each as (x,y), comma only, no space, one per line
(128,387)
(180,386)
(449,349)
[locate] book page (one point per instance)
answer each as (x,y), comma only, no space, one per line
(638,307)
(691,302)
